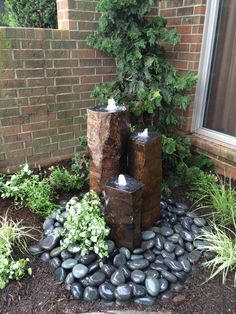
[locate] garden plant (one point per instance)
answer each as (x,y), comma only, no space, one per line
(30,13)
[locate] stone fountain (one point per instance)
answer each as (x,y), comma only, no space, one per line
(132,202)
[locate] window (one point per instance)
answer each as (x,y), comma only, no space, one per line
(215,106)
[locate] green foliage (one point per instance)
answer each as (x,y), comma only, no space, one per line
(39,195)
(216,193)
(12,234)
(222,242)
(146,82)
(13,187)
(85,225)
(80,166)
(223,200)
(83,140)
(28,189)
(3,19)
(61,179)
(30,13)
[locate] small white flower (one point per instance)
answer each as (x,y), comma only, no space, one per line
(25,168)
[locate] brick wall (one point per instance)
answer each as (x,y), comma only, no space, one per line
(46,80)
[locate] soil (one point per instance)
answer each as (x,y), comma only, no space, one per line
(40,293)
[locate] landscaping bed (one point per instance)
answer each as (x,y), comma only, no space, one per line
(40,293)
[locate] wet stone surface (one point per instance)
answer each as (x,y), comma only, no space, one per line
(156,269)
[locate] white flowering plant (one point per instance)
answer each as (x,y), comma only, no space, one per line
(13,186)
(85,225)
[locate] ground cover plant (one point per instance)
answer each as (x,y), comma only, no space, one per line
(39,190)
(85,225)
(12,236)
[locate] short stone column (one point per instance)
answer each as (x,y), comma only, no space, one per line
(123,211)
(145,164)
(108,134)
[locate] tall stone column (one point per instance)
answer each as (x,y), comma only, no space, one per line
(145,164)
(108,134)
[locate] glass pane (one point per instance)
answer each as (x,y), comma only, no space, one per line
(220,114)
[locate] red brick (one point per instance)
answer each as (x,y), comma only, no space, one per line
(67,97)
(28,54)
(59,90)
(67,80)
(29,73)
(34,126)
(168,12)
(185,11)
(7,74)
(57,54)
(105,70)
(43,117)
(191,38)
(83,88)
(65,63)
(42,100)
(33,64)
(87,26)
(83,71)
(17,138)
(32,92)
(183,29)
(19,120)
(189,56)
(35,82)
(83,54)
(58,72)
(91,79)
(61,122)
(12,83)
(182,47)
(200,9)
(195,47)
(174,21)
(16,154)
(44,133)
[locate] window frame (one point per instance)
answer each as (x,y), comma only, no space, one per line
(209,35)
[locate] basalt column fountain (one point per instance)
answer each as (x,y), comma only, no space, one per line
(123,198)
(145,164)
(108,131)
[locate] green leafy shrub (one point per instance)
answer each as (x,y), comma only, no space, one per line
(12,234)
(80,167)
(221,242)
(61,179)
(30,13)
(3,19)
(39,195)
(85,225)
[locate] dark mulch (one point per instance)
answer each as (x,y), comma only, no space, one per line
(41,294)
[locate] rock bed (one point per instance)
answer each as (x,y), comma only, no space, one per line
(161,264)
